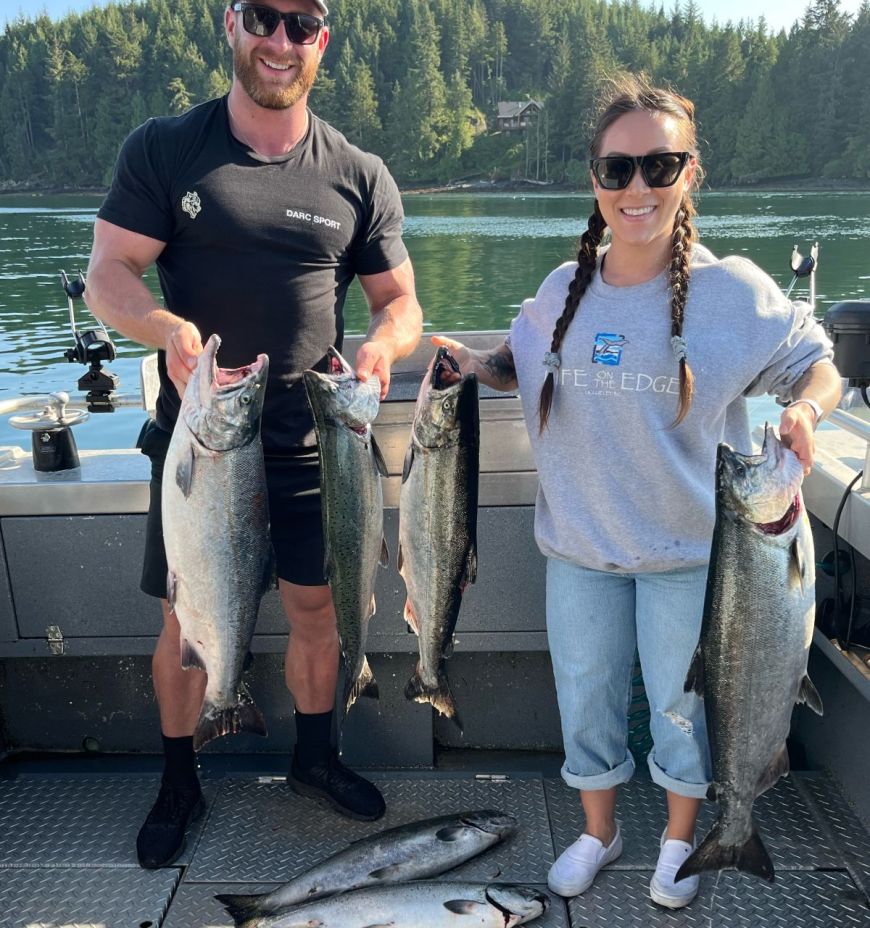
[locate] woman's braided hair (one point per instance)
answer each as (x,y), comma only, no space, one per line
(633,94)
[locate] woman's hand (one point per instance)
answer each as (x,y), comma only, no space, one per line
(796,427)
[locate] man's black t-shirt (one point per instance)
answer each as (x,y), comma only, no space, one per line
(260,251)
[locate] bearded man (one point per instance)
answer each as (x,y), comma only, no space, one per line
(258,215)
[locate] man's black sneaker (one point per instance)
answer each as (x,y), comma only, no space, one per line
(161,839)
(335,785)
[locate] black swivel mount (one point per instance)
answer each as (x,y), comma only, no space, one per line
(92,347)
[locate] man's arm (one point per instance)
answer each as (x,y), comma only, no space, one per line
(396,323)
(117,295)
(822,384)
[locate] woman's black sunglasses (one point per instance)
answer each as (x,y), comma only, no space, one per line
(660,169)
(262,21)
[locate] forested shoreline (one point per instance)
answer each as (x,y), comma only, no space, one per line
(419,82)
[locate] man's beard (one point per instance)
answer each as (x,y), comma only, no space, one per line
(277,97)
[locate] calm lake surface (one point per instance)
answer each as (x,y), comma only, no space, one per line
(476,257)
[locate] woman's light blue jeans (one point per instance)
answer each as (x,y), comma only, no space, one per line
(595,621)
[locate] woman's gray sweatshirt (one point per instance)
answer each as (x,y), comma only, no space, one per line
(619,489)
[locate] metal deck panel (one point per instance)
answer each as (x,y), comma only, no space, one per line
(789,828)
(68,821)
(847,832)
(85,898)
(194,906)
(796,900)
(261,832)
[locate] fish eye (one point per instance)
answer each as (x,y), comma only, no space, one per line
(245,399)
(740,469)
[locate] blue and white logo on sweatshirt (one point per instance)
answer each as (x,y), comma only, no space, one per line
(608,348)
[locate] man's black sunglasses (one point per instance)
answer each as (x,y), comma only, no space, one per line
(660,169)
(262,21)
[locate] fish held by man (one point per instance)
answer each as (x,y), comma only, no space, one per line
(351,466)
(216,534)
(751,663)
(415,851)
(438,522)
(435,904)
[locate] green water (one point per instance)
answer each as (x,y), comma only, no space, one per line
(476,257)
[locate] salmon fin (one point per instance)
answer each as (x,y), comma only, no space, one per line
(695,677)
(752,857)
(384,559)
(171,590)
(391,874)
(408,463)
(469,907)
(400,560)
(451,833)
(184,473)
(713,792)
(214,723)
(411,618)
(797,569)
(270,574)
(190,657)
(438,696)
(810,695)
(365,685)
(470,567)
(245,910)
(380,463)
(372,606)
(778,767)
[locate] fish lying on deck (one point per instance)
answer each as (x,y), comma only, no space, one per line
(352,502)
(216,533)
(416,905)
(414,851)
(751,663)
(438,522)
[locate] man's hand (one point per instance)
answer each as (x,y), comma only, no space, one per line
(374,358)
(796,431)
(183,347)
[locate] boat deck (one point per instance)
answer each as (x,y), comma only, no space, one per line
(67,855)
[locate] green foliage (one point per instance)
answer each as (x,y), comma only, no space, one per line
(419,82)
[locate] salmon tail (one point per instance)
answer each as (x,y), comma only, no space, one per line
(245,910)
(751,857)
(364,685)
(438,696)
(215,723)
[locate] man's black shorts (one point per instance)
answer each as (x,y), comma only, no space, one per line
(293,482)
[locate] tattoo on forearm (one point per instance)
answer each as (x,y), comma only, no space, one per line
(500,364)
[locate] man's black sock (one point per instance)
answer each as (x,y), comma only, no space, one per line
(313,738)
(179,762)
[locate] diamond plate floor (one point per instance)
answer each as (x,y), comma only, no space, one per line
(67,851)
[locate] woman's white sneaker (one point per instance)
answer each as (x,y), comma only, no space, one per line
(662,888)
(578,865)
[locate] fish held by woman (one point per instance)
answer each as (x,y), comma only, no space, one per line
(751,663)
(438,522)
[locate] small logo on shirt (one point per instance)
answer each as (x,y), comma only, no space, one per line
(191,204)
(608,348)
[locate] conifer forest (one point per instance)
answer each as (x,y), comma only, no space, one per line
(419,82)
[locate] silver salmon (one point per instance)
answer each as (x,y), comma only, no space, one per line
(416,905)
(438,522)
(751,663)
(414,851)
(352,503)
(216,532)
